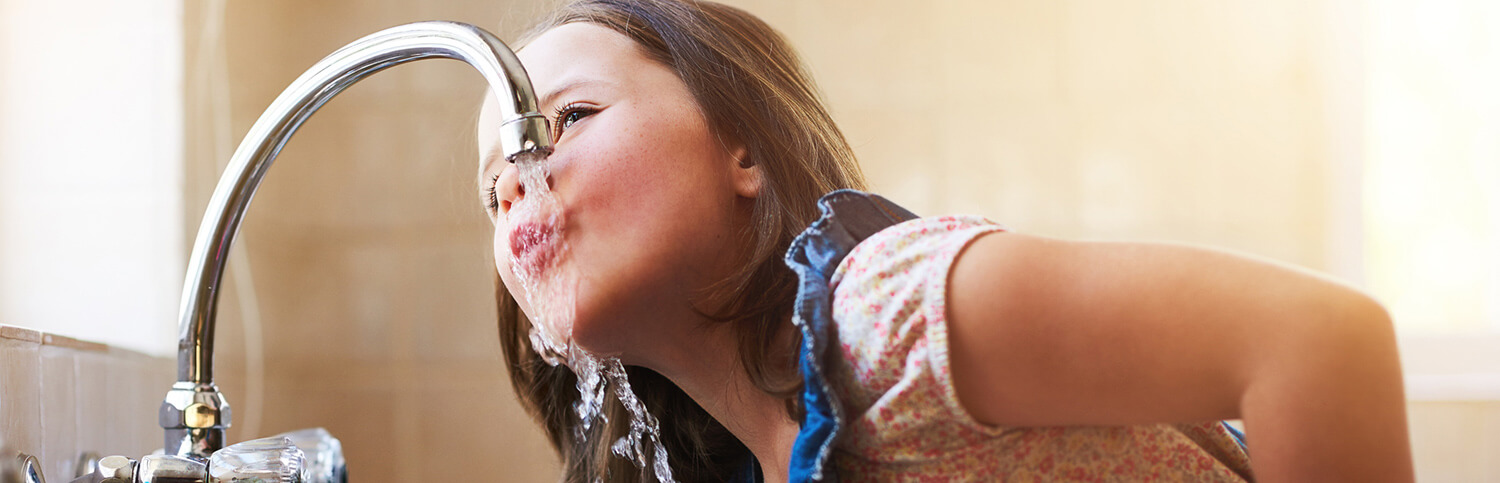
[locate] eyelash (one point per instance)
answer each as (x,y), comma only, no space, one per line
(494,200)
(561,116)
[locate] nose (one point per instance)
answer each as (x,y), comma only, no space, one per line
(508,188)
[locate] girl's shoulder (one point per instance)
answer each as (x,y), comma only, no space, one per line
(931,242)
(906,263)
(889,311)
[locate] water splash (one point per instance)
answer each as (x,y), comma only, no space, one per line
(546,283)
(644,428)
(549,287)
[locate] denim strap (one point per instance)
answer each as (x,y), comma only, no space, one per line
(848,218)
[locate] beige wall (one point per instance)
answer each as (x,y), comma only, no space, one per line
(1182,120)
(1221,123)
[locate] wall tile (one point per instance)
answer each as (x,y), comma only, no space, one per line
(93,403)
(59,409)
(130,411)
(136,401)
(457,413)
(20,379)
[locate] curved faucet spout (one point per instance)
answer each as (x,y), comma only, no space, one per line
(194,413)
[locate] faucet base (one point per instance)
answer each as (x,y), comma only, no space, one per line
(195,417)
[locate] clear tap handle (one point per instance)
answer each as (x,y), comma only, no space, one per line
(276,459)
(325,455)
(270,460)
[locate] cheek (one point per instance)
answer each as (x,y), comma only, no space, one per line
(638,164)
(501,250)
(642,198)
(645,176)
(502,264)
(613,140)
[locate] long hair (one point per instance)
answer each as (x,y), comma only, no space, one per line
(752,88)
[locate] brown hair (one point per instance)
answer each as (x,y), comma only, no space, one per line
(750,86)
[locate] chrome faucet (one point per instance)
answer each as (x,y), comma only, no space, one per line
(194,414)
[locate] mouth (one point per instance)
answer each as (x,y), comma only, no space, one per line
(531,245)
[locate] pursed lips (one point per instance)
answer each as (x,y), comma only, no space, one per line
(530,242)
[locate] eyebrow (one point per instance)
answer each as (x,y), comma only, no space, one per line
(571,85)
(489,160)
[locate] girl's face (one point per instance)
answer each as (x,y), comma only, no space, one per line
(655,204)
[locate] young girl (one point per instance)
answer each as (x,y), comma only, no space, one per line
(784,335)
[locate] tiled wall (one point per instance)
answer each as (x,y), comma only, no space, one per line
(61,397)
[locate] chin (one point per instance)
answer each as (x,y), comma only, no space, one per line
(599,335)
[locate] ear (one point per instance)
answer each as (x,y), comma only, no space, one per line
(745,173)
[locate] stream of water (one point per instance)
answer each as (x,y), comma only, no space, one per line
(549,286)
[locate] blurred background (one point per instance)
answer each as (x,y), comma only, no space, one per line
(1355,138)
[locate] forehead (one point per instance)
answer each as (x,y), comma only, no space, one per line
(574,51)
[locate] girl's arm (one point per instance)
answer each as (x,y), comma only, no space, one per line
(1052,332)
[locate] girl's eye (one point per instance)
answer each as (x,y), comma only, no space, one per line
(571,113)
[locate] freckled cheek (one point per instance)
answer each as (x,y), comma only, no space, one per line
(631,167)
(611,172)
